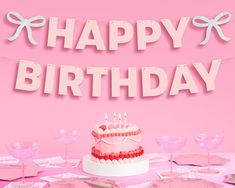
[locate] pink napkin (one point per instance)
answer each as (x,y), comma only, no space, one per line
(230,179)
(185,183)
(92,182)
(14,171)
(75,183)
(198,160)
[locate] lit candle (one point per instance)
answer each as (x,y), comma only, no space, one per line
(106,120)
(114,119)
(120,120)
(125,119)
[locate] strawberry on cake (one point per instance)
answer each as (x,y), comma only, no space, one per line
(117,150)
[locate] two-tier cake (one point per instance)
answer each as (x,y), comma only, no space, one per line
(117,150)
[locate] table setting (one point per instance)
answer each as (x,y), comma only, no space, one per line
(22,166)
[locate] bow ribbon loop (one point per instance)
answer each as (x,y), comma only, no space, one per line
(17,18)
(37,21)
(220,19)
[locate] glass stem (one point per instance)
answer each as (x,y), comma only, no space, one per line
(208,161)
(171,163)
(23,171)
(66,153)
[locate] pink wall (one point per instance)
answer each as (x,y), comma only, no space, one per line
(37,116)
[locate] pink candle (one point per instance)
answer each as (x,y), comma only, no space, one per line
(125,119)
(106,120)
(120,120)
(114,119)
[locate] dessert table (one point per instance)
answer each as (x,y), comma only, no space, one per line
(228,168)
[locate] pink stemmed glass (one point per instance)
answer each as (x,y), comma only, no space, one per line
(171,145)
(208,143)
(23,151)
(66,138)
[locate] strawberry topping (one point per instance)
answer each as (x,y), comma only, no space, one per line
(103,127)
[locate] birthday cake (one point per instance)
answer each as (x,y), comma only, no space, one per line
(117,150)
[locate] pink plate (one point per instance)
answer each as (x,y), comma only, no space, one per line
(91,182)
(185,183)
(199,160)
(13,172)
(230,179)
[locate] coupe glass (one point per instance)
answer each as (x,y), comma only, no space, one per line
(23,151)
(208,142)
(171,145)
(66,138)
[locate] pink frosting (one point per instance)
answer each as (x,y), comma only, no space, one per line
(117,144)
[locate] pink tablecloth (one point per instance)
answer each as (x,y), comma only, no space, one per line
(151,175)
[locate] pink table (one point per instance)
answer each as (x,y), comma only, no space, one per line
(151,175)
